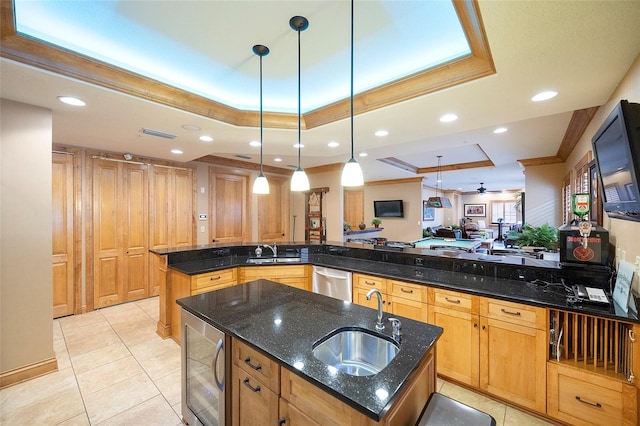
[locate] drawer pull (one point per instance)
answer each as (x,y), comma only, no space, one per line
(456,301)
(246,383)
(370,282)
(597,404)
(247,361)
(516,313)
(406,291)
(216,278)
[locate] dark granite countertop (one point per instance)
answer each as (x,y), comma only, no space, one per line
(285,322)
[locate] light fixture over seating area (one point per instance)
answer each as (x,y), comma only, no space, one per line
(437,201)
(299,180)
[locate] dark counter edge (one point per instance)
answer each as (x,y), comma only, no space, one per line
(331,391)
(444,267)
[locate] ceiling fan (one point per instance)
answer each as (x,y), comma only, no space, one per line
(482,189)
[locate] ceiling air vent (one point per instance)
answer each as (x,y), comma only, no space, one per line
(158,133)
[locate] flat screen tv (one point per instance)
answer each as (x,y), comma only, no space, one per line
(616,148)
(388,208)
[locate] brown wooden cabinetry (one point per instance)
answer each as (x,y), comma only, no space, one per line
(292,275)
(315,219)
(255,387)
(513,352)
(458,347)
(183,285)
(398,297)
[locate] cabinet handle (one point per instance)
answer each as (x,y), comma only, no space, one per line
(247,361)
(246,383)
(282,421)
(406,291)
(596,404)
(475,325)
(516,313)
(457,301)
(370,282)
(216,278)
(484,327)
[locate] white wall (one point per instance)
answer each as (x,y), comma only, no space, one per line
(26,308)
(544,190)
(408,228)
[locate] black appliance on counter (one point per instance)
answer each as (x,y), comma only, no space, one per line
(573,253)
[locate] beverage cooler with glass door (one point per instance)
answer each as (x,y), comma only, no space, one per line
(203,372)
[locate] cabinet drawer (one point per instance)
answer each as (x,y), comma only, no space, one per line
(454,300)
(579,397)
(368,282)
(250,273)
(213,287)
(210,279)
(407,290)
(514,313)
(257,365)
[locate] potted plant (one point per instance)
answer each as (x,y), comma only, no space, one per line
(544,236)
(346,227)
(376,222)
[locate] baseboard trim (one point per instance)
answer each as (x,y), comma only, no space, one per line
(19,375)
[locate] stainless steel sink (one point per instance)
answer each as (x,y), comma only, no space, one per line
(356,351)
(261,260)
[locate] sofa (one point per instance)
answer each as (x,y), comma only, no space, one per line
(441,231)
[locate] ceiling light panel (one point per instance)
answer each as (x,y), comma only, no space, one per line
(139,34)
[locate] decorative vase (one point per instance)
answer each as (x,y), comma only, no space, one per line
(362,226)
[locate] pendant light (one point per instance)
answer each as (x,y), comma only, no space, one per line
(261,185)
(437,201)
(299,180)
(352,173)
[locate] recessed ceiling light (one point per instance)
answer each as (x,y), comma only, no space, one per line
(298,145)
(205,138)
(176,151)
(333,144)
(254,143)
(543,96)
(381,133)
(71,101)
(448,118)
(500,130)
(191,127)
(277,159)
(363,154)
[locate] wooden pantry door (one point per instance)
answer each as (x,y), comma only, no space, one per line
(228,211)
(63,239)
(273,211)
(120,232)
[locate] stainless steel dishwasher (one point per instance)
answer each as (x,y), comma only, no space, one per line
(332,282)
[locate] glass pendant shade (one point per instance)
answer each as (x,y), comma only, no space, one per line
(299,180)
(437,201)
(261,185)
(352,174)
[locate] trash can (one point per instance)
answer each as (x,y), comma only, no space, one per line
(440,410)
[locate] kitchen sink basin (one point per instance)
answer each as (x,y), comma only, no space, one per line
(356,351)
(261,260)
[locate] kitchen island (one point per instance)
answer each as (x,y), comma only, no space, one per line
(283,323)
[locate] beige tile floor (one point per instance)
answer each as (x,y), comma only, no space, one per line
(115,370)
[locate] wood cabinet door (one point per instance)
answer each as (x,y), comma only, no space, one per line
(513,363)
(63,243)
(228,207)
(120,231)
(273,212)
(253,402)
(407,308)
(135,231)
(160,188)
(353,207)
(458,347)
(183,197)
(107,189)
(291,416)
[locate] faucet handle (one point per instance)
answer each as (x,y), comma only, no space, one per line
(396,326)
(258,251)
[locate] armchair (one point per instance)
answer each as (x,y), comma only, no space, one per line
(471,231)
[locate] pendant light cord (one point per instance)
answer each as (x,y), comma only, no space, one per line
(261,115)
(299,108)
(352,1)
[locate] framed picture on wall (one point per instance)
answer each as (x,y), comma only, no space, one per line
(428,213)
(475,210)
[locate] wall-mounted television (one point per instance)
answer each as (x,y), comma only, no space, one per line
(388,208)
(616,148)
